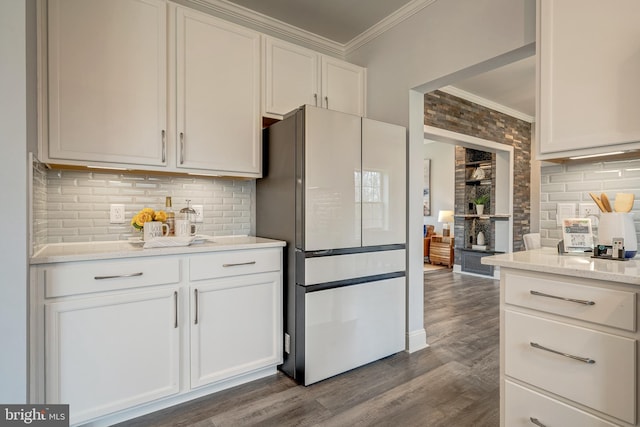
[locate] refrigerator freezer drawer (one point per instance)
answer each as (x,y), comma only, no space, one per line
(351,326)
(342,267)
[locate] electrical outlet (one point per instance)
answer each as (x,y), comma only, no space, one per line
(587,209)
(116,215)
(199,212)
(287,343)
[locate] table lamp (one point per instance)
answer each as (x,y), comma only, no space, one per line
(446,217)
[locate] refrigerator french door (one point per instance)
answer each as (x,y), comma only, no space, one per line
(334,189)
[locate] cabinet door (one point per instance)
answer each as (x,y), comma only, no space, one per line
(236,326)
(589,66)
(218,95)
(290,77)
(107,81)
(383,194)
(343,86)
(111,352)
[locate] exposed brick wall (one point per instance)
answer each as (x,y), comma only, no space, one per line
(458,115)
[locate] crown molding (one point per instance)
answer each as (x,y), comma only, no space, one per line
(452,90)
(386,24)
(263,23)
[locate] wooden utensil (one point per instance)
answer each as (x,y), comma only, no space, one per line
(605,202)
(623,202)
(598,202)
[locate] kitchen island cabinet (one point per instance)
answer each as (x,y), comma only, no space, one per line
(587,80)
(294,76)
(568,339)
(146,332)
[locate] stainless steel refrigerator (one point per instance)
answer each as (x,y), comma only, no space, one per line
(334,188)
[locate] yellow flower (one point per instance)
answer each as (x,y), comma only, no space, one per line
(160,216)
(141,217)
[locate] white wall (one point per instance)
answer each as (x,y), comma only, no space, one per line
(443,179)
(444,42)
(13,227)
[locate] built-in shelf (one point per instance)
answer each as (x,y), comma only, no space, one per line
(495,217)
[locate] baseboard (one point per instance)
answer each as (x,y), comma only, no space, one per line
(416,340)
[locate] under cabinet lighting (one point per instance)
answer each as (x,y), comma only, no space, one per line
(588,156)
(107,168)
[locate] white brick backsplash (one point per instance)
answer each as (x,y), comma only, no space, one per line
(559,185)
(73,206)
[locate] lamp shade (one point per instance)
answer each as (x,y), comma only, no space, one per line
(445,216)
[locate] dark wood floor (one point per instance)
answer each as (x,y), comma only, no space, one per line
(452,383)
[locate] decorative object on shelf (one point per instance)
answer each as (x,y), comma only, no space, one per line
(478,174)
(426,190)
(446,217)
(480,238)
(146,215)
(480,203)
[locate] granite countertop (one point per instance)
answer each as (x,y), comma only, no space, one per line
(67,252)
(547,260)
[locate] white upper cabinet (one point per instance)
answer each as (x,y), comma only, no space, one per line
(294,76)
(107,81)
(589,63)
(218,95)
(290,77)
(343,86)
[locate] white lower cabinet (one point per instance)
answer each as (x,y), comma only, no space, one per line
(526,408)
(568,351)
(107,353)
(239,313)
(117,334)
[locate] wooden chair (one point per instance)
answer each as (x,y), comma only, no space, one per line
(427,241)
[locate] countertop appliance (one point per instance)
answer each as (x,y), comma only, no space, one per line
(334,188)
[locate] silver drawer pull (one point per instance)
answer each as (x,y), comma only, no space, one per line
(536,422)
(239,263)
(117,276)
(570,356)
(578,301)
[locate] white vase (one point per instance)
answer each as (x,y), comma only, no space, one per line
(479,209)
(480,238)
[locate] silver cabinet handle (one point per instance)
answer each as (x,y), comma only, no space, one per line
(175,301)
(326,100)
(181,147)
(570,356)
(195,293)
(315,99)
(536,422)
(117,276)
(164,147)
(578,301)
(239,263)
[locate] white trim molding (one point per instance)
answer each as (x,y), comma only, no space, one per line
(452,90)
(263,23)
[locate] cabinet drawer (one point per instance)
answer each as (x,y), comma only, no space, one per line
(522,405)
(234,263)
(603,306)
(98,276)
(606,385)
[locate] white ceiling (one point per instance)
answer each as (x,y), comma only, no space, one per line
(341,21)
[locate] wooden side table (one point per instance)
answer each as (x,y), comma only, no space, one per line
(441,250)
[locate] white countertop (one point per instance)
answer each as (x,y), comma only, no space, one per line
(547,260)
(66,252)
